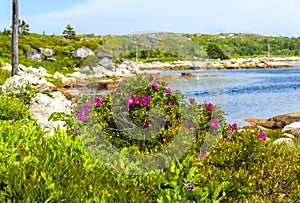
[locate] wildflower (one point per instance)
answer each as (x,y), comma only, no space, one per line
(129,101)
(146,100)
(201,154)
(192,100)
(154,85)
(74,128)
(242,130)
(189,125)
(82,117)
(118,90)
(96,101)
(171,103)
(168,90)
(263,135)
(148,123)
(137,100)
(229,131)
(150,78)
(85,108)
(189,186)
(233,126)
(121,83)
(214,123)
(209,106)
(163,83)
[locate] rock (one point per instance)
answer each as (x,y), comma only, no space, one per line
(107,63)
(99,70)
(287,135)
(51,59)
(293,129)
(277,121)
(102,55)
(15,85)
(65,81)
(82,53)
(35,55)
(86,70)
(7,67)
(44,106)
(287,141)
(47,52)
(78,75)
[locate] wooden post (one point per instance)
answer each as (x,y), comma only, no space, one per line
(15,33)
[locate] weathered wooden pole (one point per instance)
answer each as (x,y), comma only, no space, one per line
(15,33)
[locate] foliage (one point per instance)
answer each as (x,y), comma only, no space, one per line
(23,27)
(4,74)
(69,32)
(215,52)
(242,167)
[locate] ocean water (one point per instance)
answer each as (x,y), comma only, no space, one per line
(261,93)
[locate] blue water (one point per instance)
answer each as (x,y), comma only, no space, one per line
(244,94)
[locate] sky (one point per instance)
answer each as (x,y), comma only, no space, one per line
(102,17)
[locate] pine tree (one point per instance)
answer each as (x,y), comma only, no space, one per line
(69,32)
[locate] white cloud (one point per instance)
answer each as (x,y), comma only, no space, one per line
(122,16)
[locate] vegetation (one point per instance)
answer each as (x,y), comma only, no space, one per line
(215,52)
(241,166)
(69,32)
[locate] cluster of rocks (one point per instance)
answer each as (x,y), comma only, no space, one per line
(43,105)
(41,54)
(289,123)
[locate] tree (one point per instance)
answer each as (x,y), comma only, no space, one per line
(69,32)
(15,36)
(23,27)
(214,51)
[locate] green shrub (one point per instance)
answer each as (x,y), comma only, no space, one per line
(4,74)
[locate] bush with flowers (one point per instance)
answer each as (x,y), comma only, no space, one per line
(242,166)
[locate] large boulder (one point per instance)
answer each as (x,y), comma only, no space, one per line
(15,85)
(35,55)
(102,55)
(107,64)
(47,52)
(292,130)
(43,106)
(82,53)
(276,122)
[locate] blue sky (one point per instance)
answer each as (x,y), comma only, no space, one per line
(268,17)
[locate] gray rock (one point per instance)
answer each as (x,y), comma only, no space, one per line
(287,141)
(47,52)
(78,75)
(44,106)
(15,84)
(293,128)
(86,70)
(107,63)
(51,59)
(82,53)
(99,70)
(35,55)
(102,55)
(287,135)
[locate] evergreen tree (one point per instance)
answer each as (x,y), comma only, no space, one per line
(214,51)
(69,32)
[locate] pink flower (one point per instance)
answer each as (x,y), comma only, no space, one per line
(74,128)
(214,123)
(129,101)
(229,131)
(82,117)
(189,125)
(233,126)
(192,100)
(148,123)
(146,100)
(209,106)
(154,85)
(242,130)
(137,100)
(201,154)
(96,101)
(118,90)
(85,108)
(263,135)
(121,83)
(171,103)
(168,90)
(150,78)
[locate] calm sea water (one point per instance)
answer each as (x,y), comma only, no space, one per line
(244,93)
